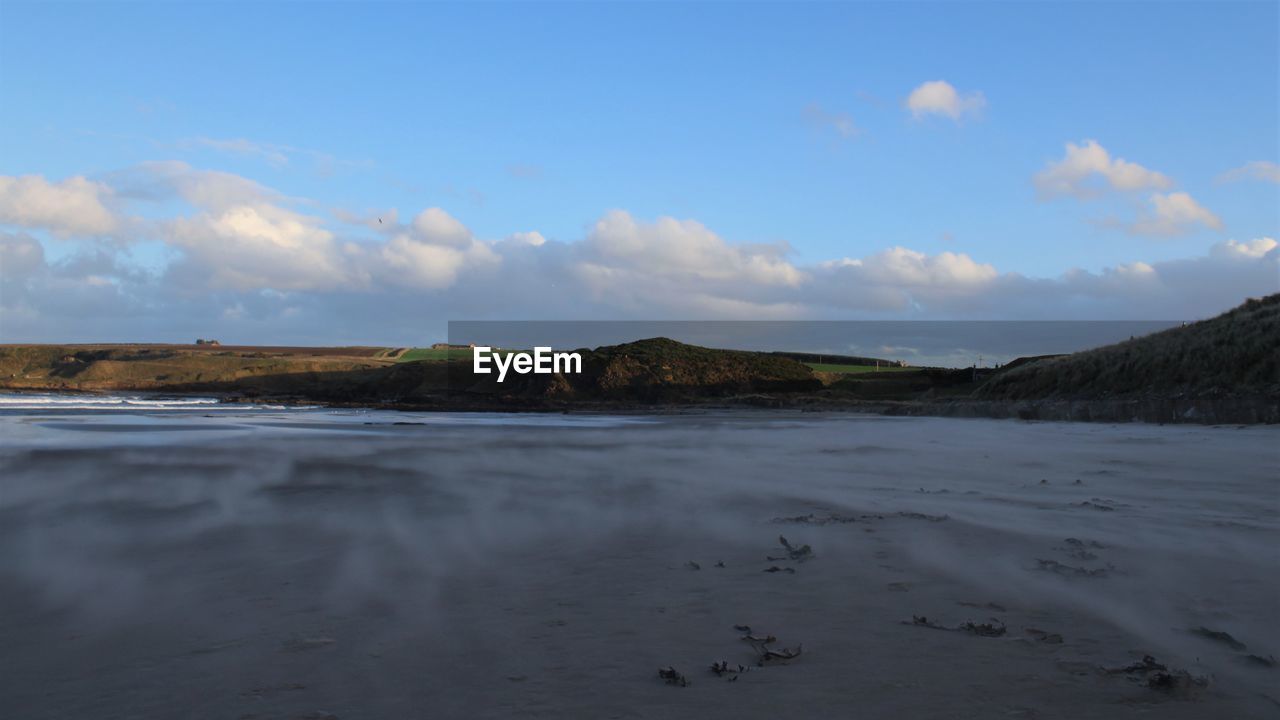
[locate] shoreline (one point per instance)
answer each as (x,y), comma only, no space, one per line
(1191,410)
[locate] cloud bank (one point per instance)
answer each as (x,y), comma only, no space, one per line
(168,252)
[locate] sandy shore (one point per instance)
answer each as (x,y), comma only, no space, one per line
(307,565)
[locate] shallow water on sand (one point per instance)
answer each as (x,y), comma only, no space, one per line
(160,559)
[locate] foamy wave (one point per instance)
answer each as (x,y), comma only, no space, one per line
(110,402)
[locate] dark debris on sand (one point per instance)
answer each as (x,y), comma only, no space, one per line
(1146,665)
(924,621)
(1177,682)
(761,642)
(1226,638)
(1072,570)
(923,516)
(995,628)
(1078,543)
(1219,636)
(812,519)
(838,519)
(1157,676)
(767,654)
(1045,637)
(796,554)
(722,669)
(983,606)
(1078,549)
(671,676)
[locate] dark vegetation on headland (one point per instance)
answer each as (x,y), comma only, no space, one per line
(1222,370)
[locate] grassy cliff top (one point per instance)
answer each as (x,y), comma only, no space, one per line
(663,355)
(1237,352)
(658,370)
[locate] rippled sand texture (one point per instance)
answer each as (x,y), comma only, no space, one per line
(310,565)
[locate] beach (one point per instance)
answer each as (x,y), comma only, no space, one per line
(260,562)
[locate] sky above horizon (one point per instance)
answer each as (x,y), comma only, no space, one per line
(347,173)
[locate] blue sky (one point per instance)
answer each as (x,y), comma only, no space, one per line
(765,123)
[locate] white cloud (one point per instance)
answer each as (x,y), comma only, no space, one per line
(437,227)
(380,221)
(275,155)
(671,267)
(240,235)
(909,267)
(841,123)
(939,97)
(73,207)
(431,253)
(669,246)
(900,278)
(249,247)
(1173,214)
(409,262)
(1084,166)
(1249,249)
(1261,170)
(533,238)
(207,189)
(261,245)
(20,255)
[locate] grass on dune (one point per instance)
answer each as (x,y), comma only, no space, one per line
(1234,352)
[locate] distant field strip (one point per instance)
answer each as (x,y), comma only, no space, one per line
(415,354)
(856,369)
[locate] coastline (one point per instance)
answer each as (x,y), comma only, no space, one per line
(1192,410)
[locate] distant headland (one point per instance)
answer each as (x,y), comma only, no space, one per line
(1221,370)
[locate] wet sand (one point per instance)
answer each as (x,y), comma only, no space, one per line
(306,564)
